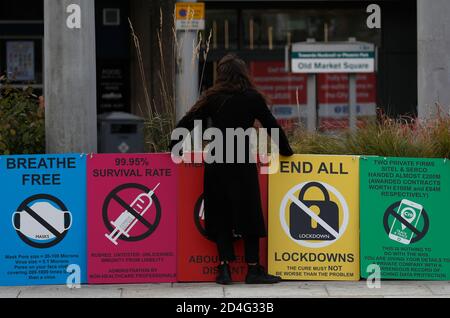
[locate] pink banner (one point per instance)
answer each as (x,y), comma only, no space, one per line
(132,204)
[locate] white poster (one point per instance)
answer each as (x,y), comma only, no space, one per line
(20,60)
(333,62)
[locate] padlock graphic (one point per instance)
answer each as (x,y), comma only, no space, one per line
(303,227)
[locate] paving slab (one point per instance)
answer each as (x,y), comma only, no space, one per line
(290,289)
(9,292)
(281,290)
(175,292)
(439,288)
(142,286)
(388,288)
(64,292)
(412,296)
(182,285)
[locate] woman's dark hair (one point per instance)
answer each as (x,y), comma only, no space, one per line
(232,77)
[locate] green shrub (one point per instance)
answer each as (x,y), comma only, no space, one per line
(22,127)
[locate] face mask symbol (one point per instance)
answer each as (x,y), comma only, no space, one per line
(45,223)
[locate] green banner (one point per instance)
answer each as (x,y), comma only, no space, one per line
(405,218)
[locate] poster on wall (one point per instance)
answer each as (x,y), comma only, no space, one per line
(43,219)
(333,100)
(286,91)
(197,255)
(314,218)
(131,218)
(20,60)
(113,88)
(405,218)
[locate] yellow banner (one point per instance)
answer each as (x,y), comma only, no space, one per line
(314,218)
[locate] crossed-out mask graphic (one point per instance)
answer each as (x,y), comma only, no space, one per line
(42,221)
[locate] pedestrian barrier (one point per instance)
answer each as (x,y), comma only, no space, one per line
(405,217)
(132,208)
(43,218)
(314,218)
(137,218)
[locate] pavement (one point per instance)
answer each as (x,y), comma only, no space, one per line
(389,289)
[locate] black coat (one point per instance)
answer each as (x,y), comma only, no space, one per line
(231,190)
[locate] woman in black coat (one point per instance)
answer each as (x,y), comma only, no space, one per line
(231,189)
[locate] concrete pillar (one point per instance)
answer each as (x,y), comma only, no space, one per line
(187,76)
(70,76)
(433,27)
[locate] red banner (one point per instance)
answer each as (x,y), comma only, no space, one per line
(285,90)
(279,86)
(333,88)
(333,100)
(197,256)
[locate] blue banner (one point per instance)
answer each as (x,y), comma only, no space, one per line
(42,219)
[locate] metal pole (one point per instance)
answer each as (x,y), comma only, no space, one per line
(311,121)
(187,76)
(70,76)
(352,102)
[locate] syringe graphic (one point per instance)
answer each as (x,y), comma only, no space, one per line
(126,221)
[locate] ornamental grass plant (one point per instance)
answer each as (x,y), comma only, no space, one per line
(403,137)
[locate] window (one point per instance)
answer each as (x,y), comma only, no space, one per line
(223,25)
(21,61)
(271,29)
(111,17)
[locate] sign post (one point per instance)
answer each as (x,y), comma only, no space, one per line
(352,103)
(190,18)
(311,122)
(327,58)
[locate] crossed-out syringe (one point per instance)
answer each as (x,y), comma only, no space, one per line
(126,221)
